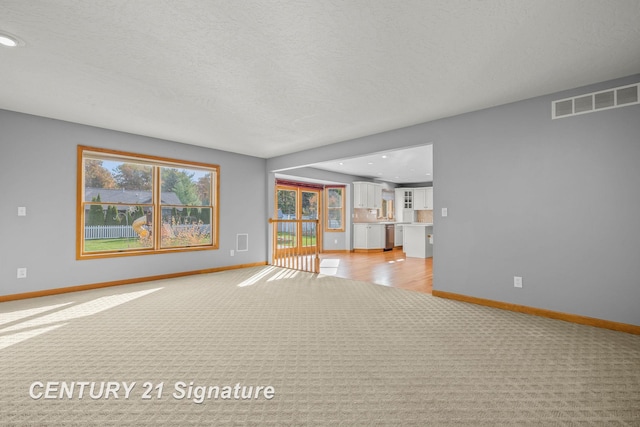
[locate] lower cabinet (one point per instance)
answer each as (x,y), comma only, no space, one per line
(398,236)
(368,236)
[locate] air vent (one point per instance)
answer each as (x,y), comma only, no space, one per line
(242,242)
(596,101)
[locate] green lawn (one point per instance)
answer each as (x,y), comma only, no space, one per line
(288,240)
(98,245)
(112,244)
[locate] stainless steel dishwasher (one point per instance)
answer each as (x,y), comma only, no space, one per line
(389,236)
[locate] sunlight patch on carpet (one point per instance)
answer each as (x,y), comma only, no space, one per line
(256,277)
(81,310)
(12,339)
(21,314)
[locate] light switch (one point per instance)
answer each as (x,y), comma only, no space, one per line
(444,212)
(22,211)
(517,281)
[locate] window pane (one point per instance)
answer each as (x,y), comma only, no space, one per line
(310,204)
(287,207)
(185,227)
(334,198)
(189,187)
(126,175)
(287,204)
(335,218)
(117,228)
(97,177)
(335,213)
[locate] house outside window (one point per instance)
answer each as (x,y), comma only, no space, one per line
(134,204)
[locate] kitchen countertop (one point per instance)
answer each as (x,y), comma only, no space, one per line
(417,224)
(392,222)
(379,222)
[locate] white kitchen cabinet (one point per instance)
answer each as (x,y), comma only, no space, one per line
(404,204)
(359,195)
(423,198)
(375,236)
(407,202)
(398,236)
(377,196)
(418,241)
(367,195)
(368,236)
(359,236)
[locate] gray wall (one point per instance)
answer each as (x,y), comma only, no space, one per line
(38,170)
(554,201)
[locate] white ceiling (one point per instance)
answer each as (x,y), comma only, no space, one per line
(271,77)
(409,165)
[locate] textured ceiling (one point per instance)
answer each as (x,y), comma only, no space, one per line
(269,77)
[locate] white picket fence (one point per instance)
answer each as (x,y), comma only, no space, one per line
(92,232)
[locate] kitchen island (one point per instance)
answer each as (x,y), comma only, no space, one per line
(418,240)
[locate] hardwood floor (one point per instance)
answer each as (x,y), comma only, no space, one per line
(390,268)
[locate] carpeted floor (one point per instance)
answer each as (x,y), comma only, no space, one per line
(333,352)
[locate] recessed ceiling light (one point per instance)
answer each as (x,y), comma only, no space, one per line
(9,40)
(370,163)
(341,163)
(428,174)
(384,157)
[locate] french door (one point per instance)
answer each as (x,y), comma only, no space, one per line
(298,203)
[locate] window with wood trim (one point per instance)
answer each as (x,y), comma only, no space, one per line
(135,204)
(335,208)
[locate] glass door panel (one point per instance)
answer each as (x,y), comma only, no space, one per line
(287,209)
(309,208)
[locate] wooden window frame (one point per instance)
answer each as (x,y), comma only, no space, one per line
(156,162)
(327,208)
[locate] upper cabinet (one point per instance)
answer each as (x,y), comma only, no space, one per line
(404,204)
(367,195)
(407,198)
(423,198)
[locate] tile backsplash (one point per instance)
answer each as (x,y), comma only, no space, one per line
(365,215)
(424,216)
(371,215)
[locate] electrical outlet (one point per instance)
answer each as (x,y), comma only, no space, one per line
(335,241)
(517,281)
(445,212)
(22,272)
(232,252)
(22,211)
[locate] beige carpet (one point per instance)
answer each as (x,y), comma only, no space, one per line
(335,351)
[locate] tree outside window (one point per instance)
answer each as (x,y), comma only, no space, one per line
(335,208)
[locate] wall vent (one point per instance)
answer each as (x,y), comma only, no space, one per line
(596,101)
(242,242)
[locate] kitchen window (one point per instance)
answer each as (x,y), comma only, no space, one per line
(135,204)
